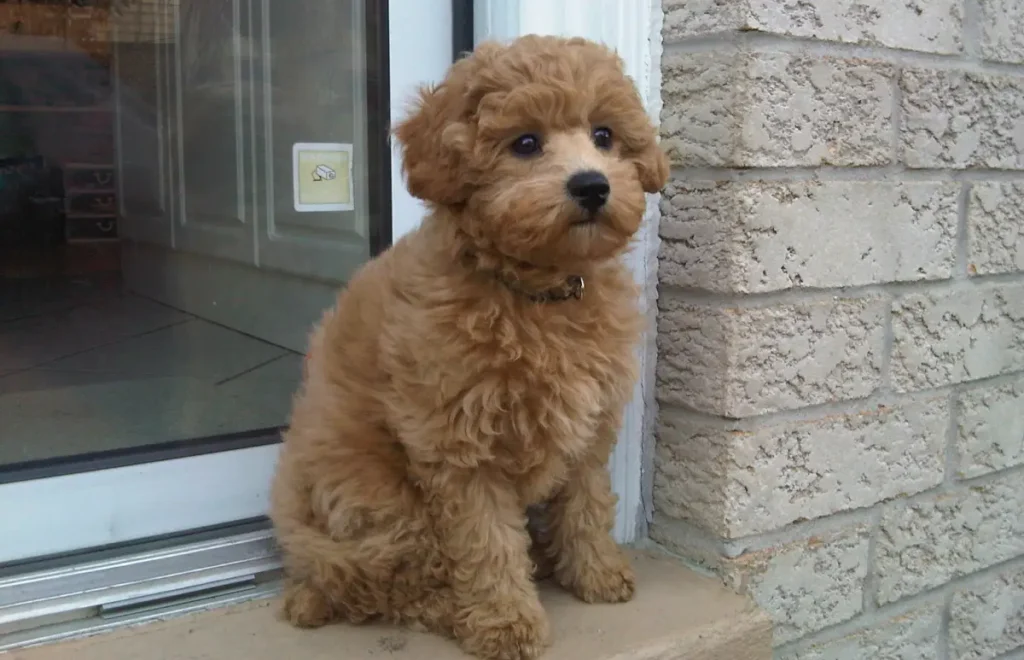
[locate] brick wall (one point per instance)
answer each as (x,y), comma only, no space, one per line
(841,319)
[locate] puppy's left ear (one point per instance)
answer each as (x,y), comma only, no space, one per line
(432,139)
(652,164)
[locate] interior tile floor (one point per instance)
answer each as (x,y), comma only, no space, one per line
(87,367)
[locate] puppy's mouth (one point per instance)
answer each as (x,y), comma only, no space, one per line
(588,218)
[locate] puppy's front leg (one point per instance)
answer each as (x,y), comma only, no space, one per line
(483,532)
(588,562)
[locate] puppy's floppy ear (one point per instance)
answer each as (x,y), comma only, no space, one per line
(434,139)
(652,164)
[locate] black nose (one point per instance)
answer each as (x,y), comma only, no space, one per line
(589,189)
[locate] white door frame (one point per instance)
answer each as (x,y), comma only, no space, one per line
(117,505)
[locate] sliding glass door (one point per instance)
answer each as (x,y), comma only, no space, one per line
(184,186)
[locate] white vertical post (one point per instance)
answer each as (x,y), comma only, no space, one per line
(420,34)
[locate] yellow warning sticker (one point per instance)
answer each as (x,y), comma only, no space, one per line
(322,173)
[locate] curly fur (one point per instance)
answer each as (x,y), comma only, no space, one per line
(440,403)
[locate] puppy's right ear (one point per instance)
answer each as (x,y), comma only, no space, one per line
(435,140)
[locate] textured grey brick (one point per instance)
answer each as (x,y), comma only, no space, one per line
(744,361)
(991,429)
(1002,30)
(959,119)
(736,482)
(805,586)
(987,619)
(756,236)
(1013,655)
(957,336)
(775,109)
(911,636)
(690,18)
(922,25)
(925,543)
(995,228)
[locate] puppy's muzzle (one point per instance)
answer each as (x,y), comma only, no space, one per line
(589,189)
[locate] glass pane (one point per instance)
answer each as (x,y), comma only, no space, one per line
(184,185)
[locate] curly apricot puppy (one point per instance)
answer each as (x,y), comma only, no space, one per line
(466,375)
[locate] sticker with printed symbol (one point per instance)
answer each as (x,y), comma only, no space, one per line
(322,176)
(323,173)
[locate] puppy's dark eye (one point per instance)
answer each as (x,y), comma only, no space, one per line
(602,136)
(526,145)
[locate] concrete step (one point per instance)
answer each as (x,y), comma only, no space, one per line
(676,615)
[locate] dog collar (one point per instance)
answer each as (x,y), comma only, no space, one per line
(572,289)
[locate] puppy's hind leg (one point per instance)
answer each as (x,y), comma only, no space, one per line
(325,582)
(341,542)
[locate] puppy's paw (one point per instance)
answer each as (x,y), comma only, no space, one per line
(603,578)
(504,630)
(306,607)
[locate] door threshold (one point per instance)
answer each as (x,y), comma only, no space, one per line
(93,597)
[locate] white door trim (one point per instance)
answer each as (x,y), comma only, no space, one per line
(103,507)
(631,28)
(416,59)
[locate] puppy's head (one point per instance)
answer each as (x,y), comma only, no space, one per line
(541,149)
